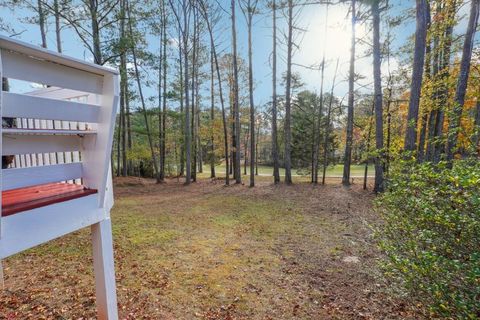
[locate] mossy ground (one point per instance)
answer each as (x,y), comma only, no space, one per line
(207,251)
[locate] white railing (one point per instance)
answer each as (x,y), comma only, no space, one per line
(69,121)
(63,133)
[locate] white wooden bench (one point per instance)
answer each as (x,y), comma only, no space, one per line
(60,179)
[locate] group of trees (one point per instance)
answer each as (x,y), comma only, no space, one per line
(200,107)
(437,126)
(431,210)
(432,78)
(187,99)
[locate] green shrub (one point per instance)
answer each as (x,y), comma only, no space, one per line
(431,236)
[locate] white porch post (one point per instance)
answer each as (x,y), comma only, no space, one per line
(104,270)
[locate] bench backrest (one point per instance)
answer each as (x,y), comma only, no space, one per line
(62,132)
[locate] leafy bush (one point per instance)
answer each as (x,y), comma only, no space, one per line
(431,236)
(142,160)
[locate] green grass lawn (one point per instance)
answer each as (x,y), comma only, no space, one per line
(206,251)
(332,171)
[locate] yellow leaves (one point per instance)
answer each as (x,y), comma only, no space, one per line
(138,152)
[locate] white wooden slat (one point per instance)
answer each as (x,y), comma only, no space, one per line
(30,228)
(25,144)
(22,67)
(1,148)
(59,93)
(24,177)
(59,132)
(103,266)
(36,51)
(96,157)
(54,155)
(17,161)
(24,106)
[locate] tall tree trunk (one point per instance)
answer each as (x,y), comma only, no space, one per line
(288,98)
(124,136)
(198,123)
(430,149)
(417,75)
(232,133)
(97,50)
(236,102)
(444,87)
(180,60)
(245,148)
(316,131)
(250,91)
(422,137)
(454,125)
(123,95)
(347,159)
(476,135)
(121,143)
(41,23)
(232,123)
(220,92)
(142,99)
(369,135)
(121,123)
(257,136)
(377,64)
(188,137)
(128,124)
(428,76)
(119,129)
(193,122)
(57,25)
(327,125)
(119,133)
(389,129)
(212,114)
(224,117)
(164,100)
(276,170)
(431,139)
(318,121)
(160,115)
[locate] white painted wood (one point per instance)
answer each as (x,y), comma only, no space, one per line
(104,270)
(33,227)
(109,200)
(36,51)
(96,157)
(24,106)
(16,161)
(1,149)
(24,177)
(59,94)
(22,67)
(26,131)
(59,133)
(24,144)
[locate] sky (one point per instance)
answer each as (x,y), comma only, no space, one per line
(335,42)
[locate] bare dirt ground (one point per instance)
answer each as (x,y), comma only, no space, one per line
(207,251)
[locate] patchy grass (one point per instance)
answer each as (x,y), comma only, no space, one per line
(356,170)
(207,251)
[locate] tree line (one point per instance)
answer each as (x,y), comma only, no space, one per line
(187,97)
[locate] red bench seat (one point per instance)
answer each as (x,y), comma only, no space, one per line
(18,200)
